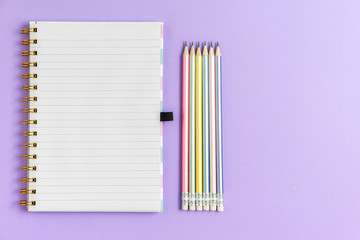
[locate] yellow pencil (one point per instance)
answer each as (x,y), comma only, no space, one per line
(198,129)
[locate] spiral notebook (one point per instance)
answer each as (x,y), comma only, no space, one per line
(94,135)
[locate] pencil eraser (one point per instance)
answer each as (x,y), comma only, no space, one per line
(192,208)
(213,208)
(220,208)
(185,207)
(198,208)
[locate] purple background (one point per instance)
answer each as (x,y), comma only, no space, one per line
(291,95)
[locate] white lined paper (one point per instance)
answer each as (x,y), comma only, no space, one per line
(98,117)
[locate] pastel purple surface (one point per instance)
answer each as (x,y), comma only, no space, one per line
(291,117)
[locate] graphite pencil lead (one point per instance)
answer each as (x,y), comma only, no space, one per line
(186,50)
(211,44)
(205,51)
(217,50)
(192,50)
(192,43)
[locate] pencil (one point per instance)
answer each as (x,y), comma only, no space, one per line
(219,150)
(205,77)
(192,131)
(185,129)
(198,129)
(212,121)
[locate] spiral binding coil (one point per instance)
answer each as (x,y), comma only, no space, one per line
(29,133)
(29,99)
(29,87)
(29,145)
(28,156)
(28,179)
(27,76)
(29,109)
(26,122)
(28,30)
(28,53)
(29,41)
(27,191)
(27,203)
(28,168)
(29,64)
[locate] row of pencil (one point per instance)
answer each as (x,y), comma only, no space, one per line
(202,163)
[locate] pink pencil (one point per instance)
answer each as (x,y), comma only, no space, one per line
(212,101)
(185,129)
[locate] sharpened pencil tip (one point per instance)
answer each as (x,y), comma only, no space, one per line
(211,44)
(218,44)
(185,44)
(205,43)
(192,43)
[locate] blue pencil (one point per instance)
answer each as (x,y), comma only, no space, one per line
(219,146)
